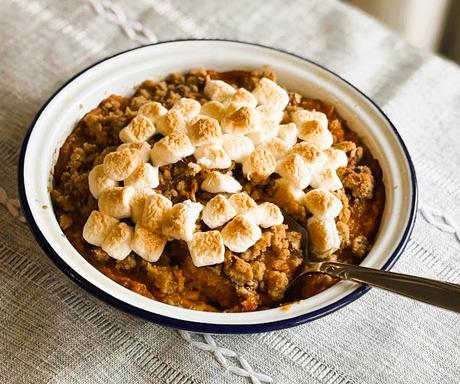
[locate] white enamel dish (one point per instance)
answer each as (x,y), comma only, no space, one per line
(117,75)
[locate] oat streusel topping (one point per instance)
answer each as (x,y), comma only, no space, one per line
(176,191)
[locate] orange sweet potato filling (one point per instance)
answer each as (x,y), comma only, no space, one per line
(253,280)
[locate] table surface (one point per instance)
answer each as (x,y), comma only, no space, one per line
(53,331)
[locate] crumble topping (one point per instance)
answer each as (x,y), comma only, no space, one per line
(311,161)
(196,184)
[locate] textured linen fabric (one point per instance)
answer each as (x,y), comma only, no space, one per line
(55,332)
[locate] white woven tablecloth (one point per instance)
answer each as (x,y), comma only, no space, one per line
(53,331)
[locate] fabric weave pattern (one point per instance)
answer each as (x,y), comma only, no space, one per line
(55,332)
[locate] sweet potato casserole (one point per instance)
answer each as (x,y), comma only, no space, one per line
(178,192)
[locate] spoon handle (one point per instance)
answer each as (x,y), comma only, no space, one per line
(438,293)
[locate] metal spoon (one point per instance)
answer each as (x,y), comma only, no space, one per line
(438,293)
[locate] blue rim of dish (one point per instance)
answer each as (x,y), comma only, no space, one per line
(191,325)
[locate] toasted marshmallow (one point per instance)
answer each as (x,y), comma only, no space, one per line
(152,110)
(170,149)
(336,158)
(97,227)
(115,202)
(241,98)
(288,133)
(237,147)
(144,176)
(214,109)
(326,179)
(189,108)
(322,203)
(323,236)
(206,248)
(268,215)
(312,133)
(216,182)
(269,112)
(311,155)
(241,122)
(217,212)
(312,126)
(240,234)
(142,148)
(242,203)
(204,130)
(172,121)
(300,116)
(147,244)
(137,203)
(218,90)
(212,156)
(277,147)
(293,168)
(155,208)
(117,244)
(139,129)
(286,192)
(259,165)
(119,165)
(268,92)
(267,130)
(98,181)
(179,221)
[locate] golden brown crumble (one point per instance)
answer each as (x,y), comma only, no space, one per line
(255,279)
